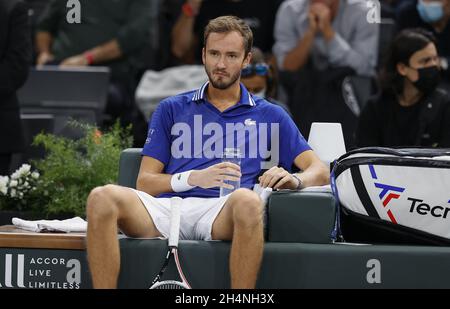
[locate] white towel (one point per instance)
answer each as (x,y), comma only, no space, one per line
(76,224)
(264,193)
(326,189)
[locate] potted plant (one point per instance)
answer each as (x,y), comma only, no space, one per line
(19,195)
(68,172)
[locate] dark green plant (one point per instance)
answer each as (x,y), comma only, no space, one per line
(72,168)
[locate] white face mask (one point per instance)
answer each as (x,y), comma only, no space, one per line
(261,94)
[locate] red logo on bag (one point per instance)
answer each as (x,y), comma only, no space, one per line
(387,194)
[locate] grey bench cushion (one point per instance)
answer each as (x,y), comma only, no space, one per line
(301,217)
(129,164)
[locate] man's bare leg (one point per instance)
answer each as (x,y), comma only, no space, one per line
(241,220)
(109,208)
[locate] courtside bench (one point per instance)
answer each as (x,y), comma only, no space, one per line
(298,252)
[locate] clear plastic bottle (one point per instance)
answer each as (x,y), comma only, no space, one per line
(232,155)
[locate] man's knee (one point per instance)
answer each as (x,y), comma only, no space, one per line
(247,207)
(100,203)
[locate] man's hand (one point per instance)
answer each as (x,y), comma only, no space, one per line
(44,58)
(75,61)
(313,23)
(214,176)
(278,178)
(323,16)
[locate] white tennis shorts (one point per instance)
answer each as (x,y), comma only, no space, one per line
(197,214)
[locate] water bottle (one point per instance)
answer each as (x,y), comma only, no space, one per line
(232,155)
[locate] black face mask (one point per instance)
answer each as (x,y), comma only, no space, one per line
(428,80)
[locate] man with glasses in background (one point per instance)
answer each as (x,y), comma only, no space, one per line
(261,79)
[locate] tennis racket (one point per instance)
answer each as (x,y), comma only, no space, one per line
(174,234)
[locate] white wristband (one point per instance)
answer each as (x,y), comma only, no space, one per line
(179,182)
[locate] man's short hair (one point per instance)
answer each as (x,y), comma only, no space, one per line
(226,24)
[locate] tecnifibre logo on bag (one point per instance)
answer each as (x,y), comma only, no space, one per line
(387,194)
(415,206)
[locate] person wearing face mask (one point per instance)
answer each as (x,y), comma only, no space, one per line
(260,79)
(434,16)
(410,110)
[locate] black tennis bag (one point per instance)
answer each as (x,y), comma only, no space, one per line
(387,195)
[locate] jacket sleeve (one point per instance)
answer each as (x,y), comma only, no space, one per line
(14,64)
(51,16)
(286,35)
(136,32)
(361,52)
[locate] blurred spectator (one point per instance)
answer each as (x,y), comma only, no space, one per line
(111,33)
(322,42)
(187,41)
(410,110)
(15,58)
(433,16)
(260,78)
(334,33)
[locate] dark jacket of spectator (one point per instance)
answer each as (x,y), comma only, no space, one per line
(101,21)
(384,122)
(15,58)
(410,109)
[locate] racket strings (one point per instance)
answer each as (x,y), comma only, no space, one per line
(169,285)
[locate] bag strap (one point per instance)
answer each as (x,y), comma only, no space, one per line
(336,234)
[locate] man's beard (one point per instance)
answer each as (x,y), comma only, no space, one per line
(220,84)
